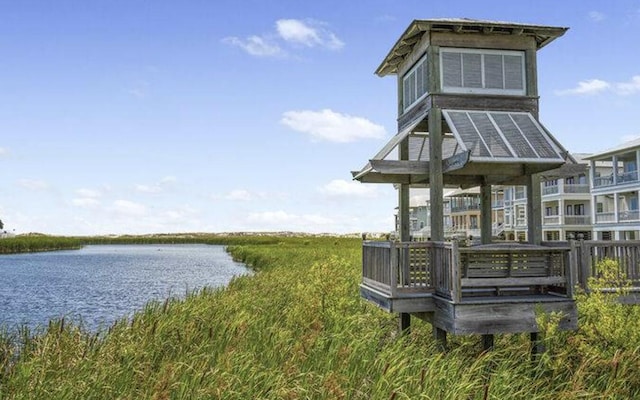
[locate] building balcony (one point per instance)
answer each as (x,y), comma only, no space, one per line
(465,208)
(547,190)
(605,217)
(629,215)
(577,220)
(621,179)
(566,220)
(576,188)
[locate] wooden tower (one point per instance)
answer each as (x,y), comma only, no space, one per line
(468,117)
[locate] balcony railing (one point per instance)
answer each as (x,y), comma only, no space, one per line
(605,217)
(626,177)
(577,220)
(629,215)
(603,180)
(629,176)
(576,188)
(550,190)
(551,220)
(465,207)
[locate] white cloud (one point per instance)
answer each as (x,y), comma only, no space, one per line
(88,193)
(341,188)
(596,16)
(594,86)
(308,33)
(86,202)
(239,195)
(33,184)
(129,208)
(631,87)
(159,187)
(256,46)
(588,87)
(332,126)
(289,32)
(3,152)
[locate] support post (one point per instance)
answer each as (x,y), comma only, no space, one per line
(404,323)
(536,345)
(404,230)
(487,342)
(436,182)
(486,232)
(534,215)
(441,337)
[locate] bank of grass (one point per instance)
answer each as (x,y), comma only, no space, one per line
(298,329)
(36,243)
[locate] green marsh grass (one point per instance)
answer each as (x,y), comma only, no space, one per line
(297,329)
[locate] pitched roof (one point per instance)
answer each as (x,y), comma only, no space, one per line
(543,35)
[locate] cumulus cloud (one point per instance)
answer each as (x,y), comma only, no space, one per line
(591,86)
(86,202)
(88,193)
(155,188)
(595,86)
(256,46)
(630,87)
(340,188)
(128,208)
(332,126)
(33,184)
(596,16)
(308,33)
(239,195)
(289,32)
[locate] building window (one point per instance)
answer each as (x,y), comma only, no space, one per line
(482,71)
(578,209)
(415,83)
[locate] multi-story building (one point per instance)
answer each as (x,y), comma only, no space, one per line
(615,189)
(566,203)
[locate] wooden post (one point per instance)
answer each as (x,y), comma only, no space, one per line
(534,215)
(436,183)
(487,342)
(441,337)
(404,319)
(456,296)
(536,345)
(485,214)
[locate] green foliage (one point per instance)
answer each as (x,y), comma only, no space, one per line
(297,328)
(34,243)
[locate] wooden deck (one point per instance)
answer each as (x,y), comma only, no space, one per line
(483,289)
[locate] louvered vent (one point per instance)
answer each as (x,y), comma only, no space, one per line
(501,135)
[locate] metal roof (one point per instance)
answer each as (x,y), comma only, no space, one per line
(543,35)
(626,146)
(495,146)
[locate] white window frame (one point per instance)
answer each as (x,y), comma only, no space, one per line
(421,61)
(483,89)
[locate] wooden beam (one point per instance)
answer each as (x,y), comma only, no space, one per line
(400,167)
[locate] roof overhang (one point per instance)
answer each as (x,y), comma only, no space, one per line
(484,147)
(543,35)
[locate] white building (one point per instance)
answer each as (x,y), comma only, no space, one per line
(614,192)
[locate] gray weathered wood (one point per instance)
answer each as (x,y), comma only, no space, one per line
(436,184)
(485,214)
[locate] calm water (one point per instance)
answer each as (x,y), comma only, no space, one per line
(99,284)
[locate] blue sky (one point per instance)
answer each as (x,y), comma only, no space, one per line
(216,116)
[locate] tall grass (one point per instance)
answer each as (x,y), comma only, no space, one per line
(27,244)
(298,329)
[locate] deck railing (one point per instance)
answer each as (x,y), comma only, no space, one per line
(452,272)
(588,253)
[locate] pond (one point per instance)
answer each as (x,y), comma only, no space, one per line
(100,284)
